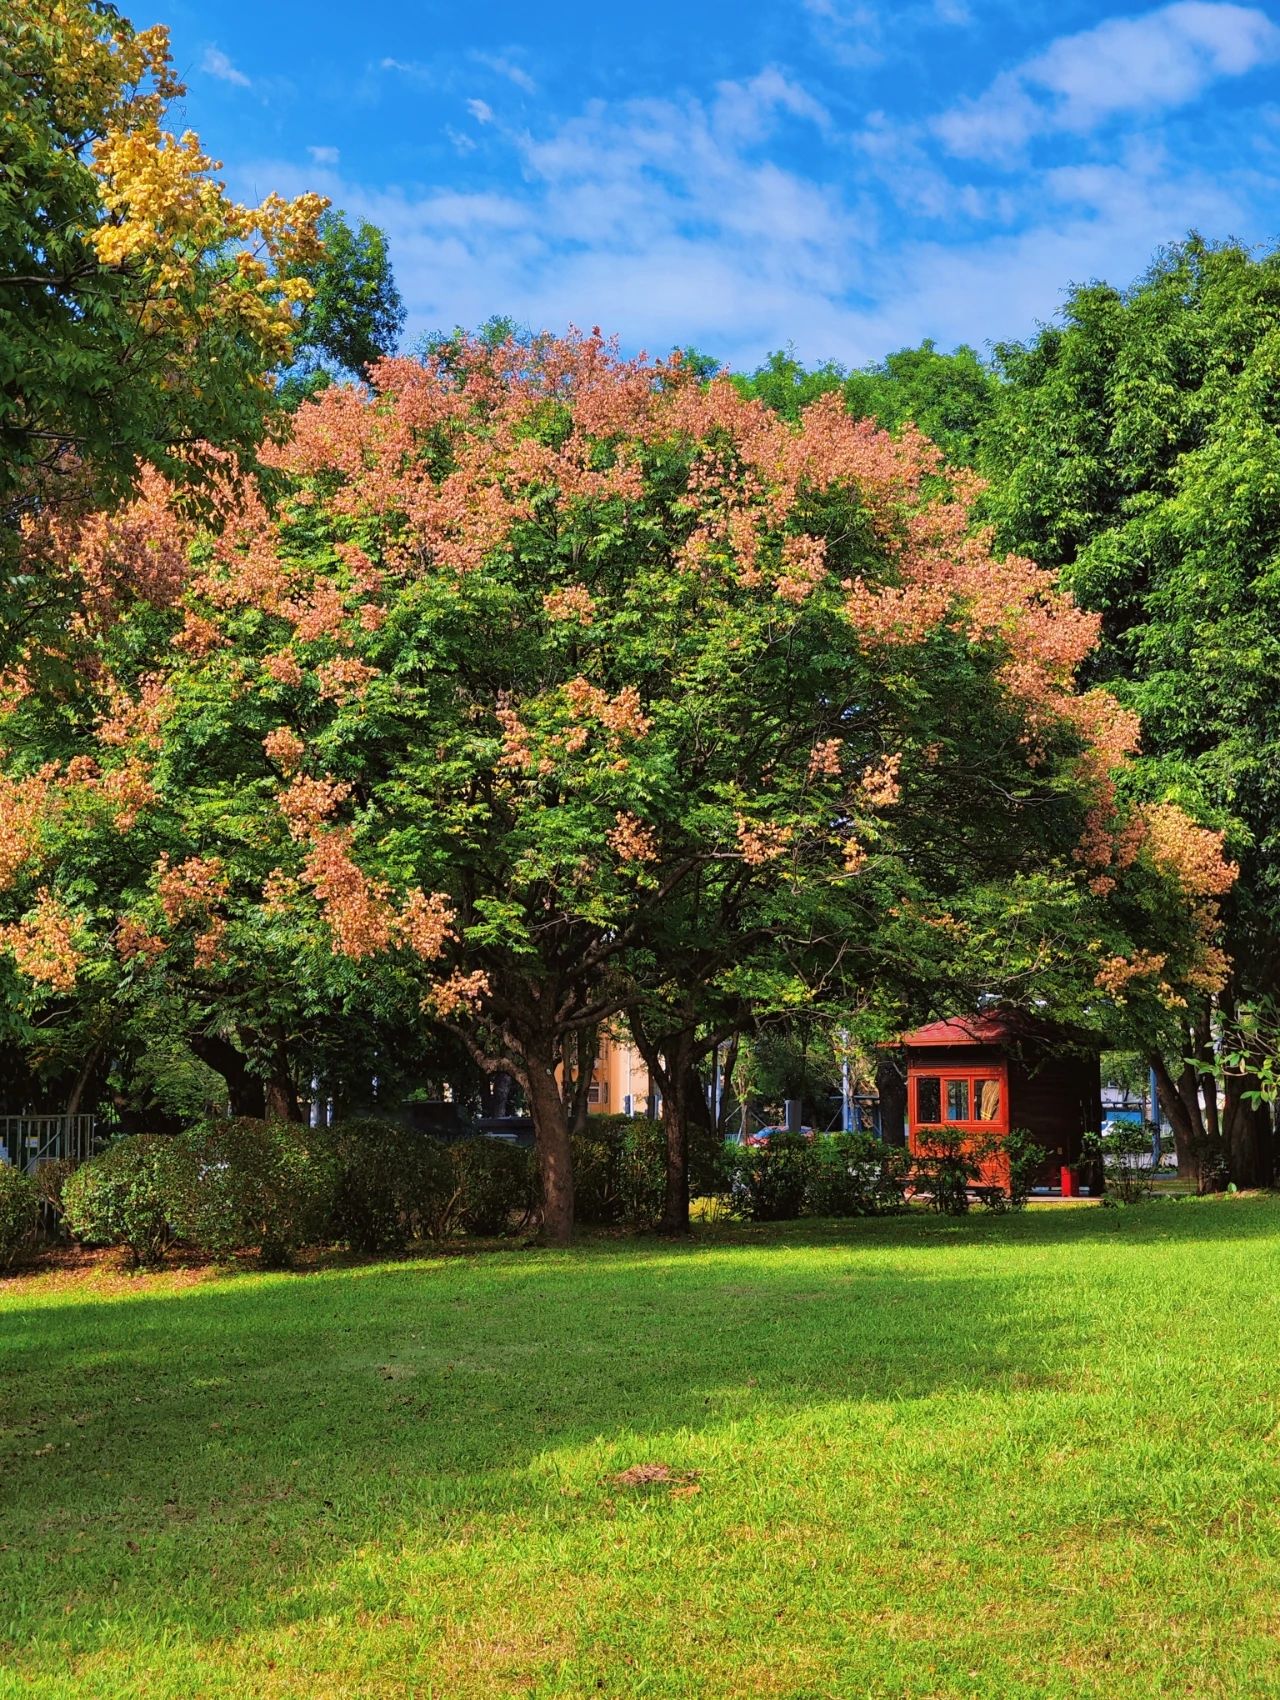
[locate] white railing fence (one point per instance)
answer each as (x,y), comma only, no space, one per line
(28,1141)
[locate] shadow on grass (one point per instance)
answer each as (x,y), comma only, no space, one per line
(205,1460)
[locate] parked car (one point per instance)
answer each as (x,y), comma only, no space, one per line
(763,1135)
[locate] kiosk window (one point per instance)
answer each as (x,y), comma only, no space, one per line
(957,1100)
(928,1098)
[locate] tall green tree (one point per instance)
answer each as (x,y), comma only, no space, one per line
(947,396)
(354,314)
(1136,451)
(141,310)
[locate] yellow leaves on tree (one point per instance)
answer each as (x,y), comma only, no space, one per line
(165,214)
(632,841)
(22,805)
(285,748)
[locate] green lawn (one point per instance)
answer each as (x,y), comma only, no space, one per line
(1023,1456)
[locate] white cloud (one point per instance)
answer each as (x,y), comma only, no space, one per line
(1144,64)
(324,155)
(677,220)
(745,111)
(215,63)
(857,34)
(481,111)
(510,70)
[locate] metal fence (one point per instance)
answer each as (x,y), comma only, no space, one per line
(28,1141)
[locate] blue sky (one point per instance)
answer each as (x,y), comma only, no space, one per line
(848,176)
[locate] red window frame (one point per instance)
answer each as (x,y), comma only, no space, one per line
(974,1077)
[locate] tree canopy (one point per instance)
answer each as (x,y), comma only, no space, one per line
(949,397)
(546,667)
(353,315)
(1136,454)
(141,309)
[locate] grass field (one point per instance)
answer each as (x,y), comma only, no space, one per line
(1020,1456)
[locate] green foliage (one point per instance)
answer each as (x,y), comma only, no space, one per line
(496,1185)
(238,1182)
(595,1179)
(50,1183)
(168,1077)
(642,1171)
(1128,1070)
(141,347)
(591,757)
(19,1214)
(771,1182)
(619,1171)
(856,1174)
(787,386)
(1136,449)
(949,397)
(121,1197)
(1124,1149)
(792,1174)
(389,1179)
(946,1169)
(1025,1158)
(355,315)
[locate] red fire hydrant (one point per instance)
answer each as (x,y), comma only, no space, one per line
(1070,1182)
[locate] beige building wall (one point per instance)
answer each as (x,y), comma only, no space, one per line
(620,1079)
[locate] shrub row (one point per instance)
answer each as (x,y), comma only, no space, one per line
(950,1169)
(842,1174)
(19,1213)
(276,1186)
(374,1185)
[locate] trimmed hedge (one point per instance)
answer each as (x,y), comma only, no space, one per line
(391,1183)
(496,1186)
(242,1182)
(770,1182)
(120,1197)
(856,1174)
(19,1214)
(619,1171)
(50,1182)
(842,1174)
(395,1185)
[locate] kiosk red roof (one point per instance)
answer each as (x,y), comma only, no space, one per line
(963,1030)
(1008,1026)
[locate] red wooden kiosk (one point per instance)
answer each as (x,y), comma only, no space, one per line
(977,1076)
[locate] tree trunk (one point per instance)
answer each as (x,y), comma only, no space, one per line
(1248,1135)
(82,1080)
(584,1047)
(246,1095)
(670,1061)
(1184,1118)
(496,1092)
(280,1101)
(1268,1166)
(681,1098)
(728,1063)
(891,1084)
(555,1159)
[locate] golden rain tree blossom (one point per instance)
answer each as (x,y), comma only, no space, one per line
(595,662)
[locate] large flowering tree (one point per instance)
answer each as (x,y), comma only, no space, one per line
(547,684)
